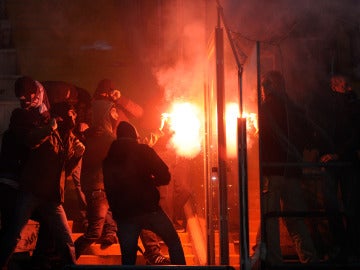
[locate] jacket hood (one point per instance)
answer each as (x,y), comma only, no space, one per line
(103,89)
(126,130)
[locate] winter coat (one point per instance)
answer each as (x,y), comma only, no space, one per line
(132,173)
(284,133)
(98,139)
(45,156)
(44,172)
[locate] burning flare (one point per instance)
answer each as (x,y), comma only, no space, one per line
(185,124)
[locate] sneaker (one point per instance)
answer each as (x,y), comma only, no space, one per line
(108,241)
(157,259)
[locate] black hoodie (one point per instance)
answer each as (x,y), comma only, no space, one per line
(132,172)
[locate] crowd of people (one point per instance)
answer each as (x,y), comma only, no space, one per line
(61,131)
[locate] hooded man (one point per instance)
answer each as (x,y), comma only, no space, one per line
(52,149)
(108,108)
(101,226)
(279,137)
(132,173)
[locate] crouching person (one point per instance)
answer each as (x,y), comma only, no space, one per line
(132,172)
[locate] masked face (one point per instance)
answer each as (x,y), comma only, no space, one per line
(67,122)
(26,101)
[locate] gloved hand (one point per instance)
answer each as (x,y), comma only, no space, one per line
(79,148)
(115,94)
(53,124)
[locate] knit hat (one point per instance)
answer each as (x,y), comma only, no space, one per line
(126,130)
(25,86)
(104,88)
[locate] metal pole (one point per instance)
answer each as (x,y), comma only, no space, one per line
(209,211)
(243,195)
(224,240)
(262,223)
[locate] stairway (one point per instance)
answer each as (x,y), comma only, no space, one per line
(111,255)
(194,248)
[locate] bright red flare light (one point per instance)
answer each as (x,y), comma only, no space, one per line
(184,122)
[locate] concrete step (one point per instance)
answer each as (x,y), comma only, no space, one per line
(95,249)
(115,249)
(112,255)
(116,259)
(184,237)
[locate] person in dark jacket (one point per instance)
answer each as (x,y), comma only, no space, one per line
(339,151)
(98,138)
(53,150)
(281,143)
(109,107)
(126,108)
(60,91)
(13,150)
(132,172)
(33,113)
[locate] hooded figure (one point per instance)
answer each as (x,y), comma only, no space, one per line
(97,139)
(104,89)
(280,123)
(52,152)
(31,93)
(134,191)
(132,172)
(59,91)
(42,182)
(126,108)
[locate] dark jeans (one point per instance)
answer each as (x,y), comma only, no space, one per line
(100,221)
(129,230)
(52,216)
(79,193)
(7,201)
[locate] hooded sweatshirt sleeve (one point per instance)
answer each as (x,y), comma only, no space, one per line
(158,168)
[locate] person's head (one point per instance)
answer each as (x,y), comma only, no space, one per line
(65,115)
(340,84)
(59,91)
(104,115)
(25,91)
(126,130)
(106,90)
(272,83)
